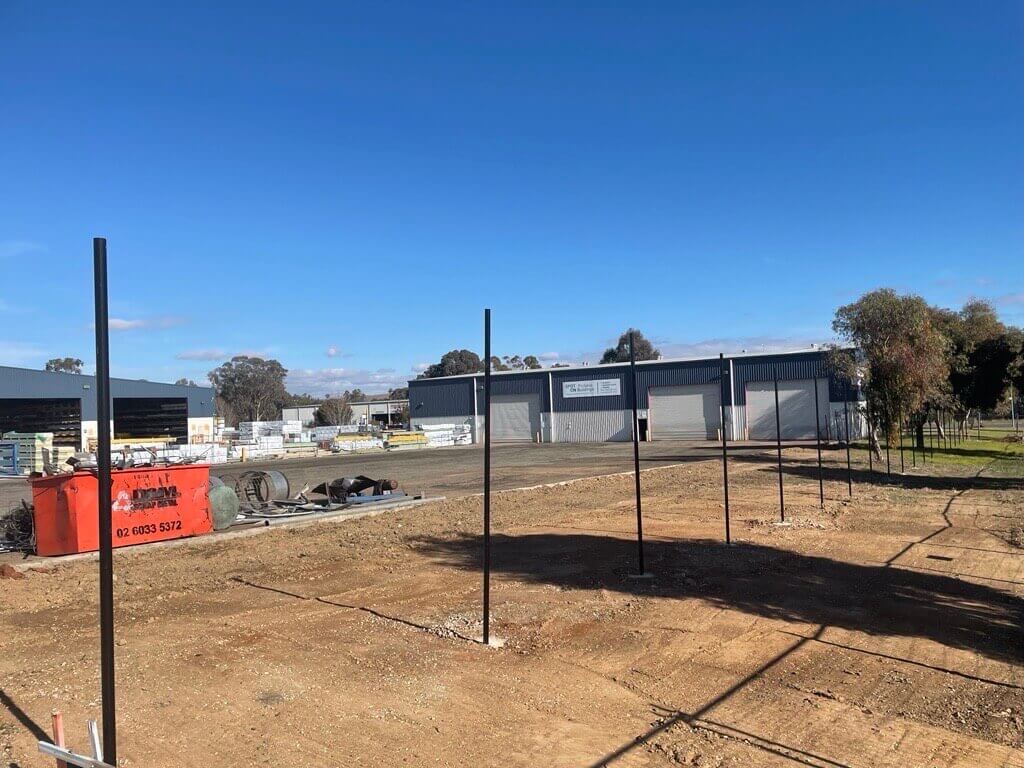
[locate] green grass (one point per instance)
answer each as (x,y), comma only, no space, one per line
(992,452)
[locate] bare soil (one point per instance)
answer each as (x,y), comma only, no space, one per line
(885,630)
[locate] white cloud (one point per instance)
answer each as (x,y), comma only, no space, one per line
(17,352)
(15,248)
(712,347)
(334,351)
(549,356)
(1010,299)
(120,324)
(420,367)
(202,354)
(124,324)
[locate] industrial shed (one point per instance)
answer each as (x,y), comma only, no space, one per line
(65,404)
(678,400)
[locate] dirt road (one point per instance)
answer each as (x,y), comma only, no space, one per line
(880,632)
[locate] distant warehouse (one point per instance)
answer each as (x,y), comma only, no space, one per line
(678,400)
(65,404)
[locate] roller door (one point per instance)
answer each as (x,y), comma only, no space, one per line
(796,408)
(689,412)
(516,417)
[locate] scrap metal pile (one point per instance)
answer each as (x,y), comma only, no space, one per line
(267,495)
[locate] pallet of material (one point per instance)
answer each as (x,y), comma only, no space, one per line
(407,438)
(34,450)
(358,446)
(9,458)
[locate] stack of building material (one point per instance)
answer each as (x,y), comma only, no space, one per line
(9,458)
(439,435)
(353,443)
(463,434)
(320,434)
(34,450)
(407,440)
(253,430)
(445,435)
(205,453)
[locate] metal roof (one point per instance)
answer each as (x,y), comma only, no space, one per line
(33,383)
(612,366)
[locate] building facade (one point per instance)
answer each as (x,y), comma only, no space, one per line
(677,399)
(65,404)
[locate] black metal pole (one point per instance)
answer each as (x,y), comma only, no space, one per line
(725,444)
(888,456)
(903,468)
(636,459)
(871,434)
(487,476)
(778,443)
(913,442)
(817,439)
(931,437)
(99,258)
(849,466)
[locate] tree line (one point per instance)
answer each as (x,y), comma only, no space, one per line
(914,361)
(911,361)
(458,362)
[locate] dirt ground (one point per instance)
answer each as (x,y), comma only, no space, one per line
(882,631)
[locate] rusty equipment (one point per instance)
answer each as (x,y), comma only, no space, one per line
(349,490)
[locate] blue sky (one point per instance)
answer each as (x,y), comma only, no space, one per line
(345,186)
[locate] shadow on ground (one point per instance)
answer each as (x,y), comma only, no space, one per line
(809,471)
(764,581)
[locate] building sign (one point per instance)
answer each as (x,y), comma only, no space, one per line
(591,388)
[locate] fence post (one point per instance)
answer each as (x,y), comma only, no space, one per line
(725,443)
(849,466)
(817,440)
(871,434)
(487,477)
(888,456)
(636,459)
(778,442)
(109,708)
(903,468)
(57,720)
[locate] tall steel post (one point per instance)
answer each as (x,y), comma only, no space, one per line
(725,444)
(636,459)
(1013,408)
(487,476)
(99,258)
(888,432)
(849,466)
(778,443)
(903,468)
(817,439)
(871,434)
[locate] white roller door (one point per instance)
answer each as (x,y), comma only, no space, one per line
(516,417)
(689,412)
(796,409)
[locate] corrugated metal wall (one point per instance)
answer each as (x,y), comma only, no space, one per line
(593,426)
(27,383)
(440,398)
(808,365)
(603,403)
(451,397)
(678,374)
(530,383)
